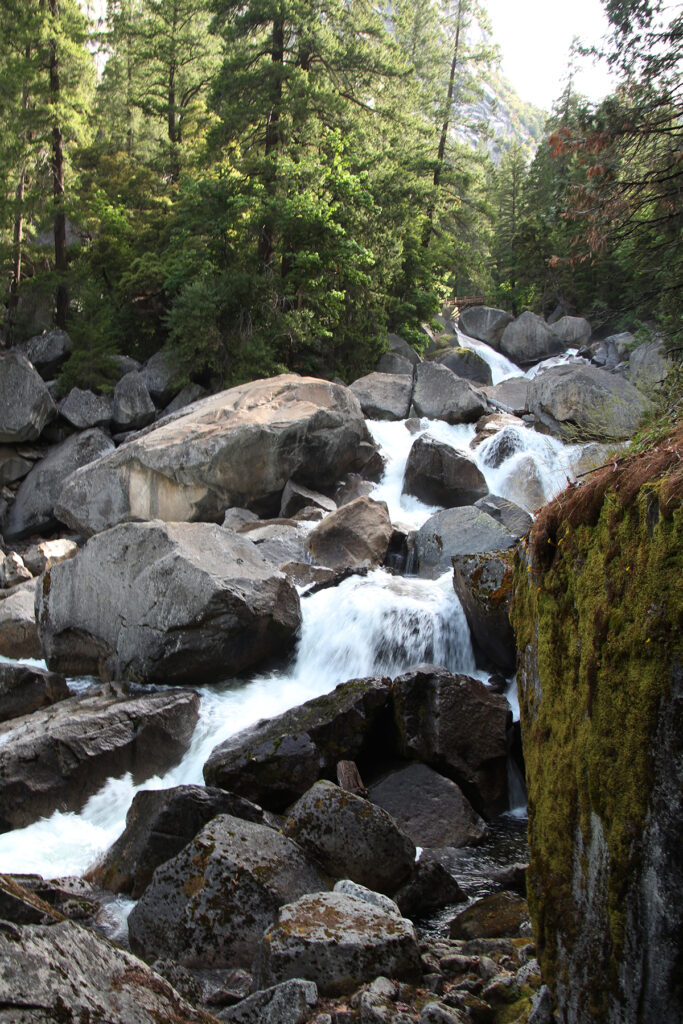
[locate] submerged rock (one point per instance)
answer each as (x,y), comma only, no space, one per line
(165,602)
(210,904)
(57,757)
(339,942)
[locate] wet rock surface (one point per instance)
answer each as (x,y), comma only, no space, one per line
(277,760)
(24,689)
(440,476)
(58,756)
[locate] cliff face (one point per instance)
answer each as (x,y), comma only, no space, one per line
(597,611)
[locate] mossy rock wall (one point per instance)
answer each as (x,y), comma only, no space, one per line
(598,627)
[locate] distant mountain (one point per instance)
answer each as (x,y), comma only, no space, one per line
(500,117)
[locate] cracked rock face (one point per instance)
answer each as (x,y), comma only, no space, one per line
(237,448)
(56,757)
(63,972)
(165,603)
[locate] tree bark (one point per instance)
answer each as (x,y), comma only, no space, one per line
(443,139)
(266,244)
(62,298)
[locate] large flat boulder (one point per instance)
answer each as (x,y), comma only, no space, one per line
(167,603)
(440,395)
(237,448)
(457,726)
(438,475)
(357,534)
(338,941)
(455,531)
(384,396)
(159,823)
(210,904)
(25,403)
(57,757)
(276,760)
(64,972)
(585,402)
(484,323)
(351,837)
(33,507)
(528,340)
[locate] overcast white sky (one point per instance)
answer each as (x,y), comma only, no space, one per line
(535,37)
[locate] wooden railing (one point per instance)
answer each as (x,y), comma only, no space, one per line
(465,301)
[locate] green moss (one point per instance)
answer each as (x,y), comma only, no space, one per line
(603,626)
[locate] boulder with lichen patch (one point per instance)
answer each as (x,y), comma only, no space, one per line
(210,904)
(338,941)
(351,837)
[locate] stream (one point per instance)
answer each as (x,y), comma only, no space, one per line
(378,624)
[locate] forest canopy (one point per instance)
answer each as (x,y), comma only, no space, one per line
(275,184)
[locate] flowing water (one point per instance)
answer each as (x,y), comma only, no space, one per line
(379,624)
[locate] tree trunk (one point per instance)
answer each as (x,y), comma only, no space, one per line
(62,298)
(266,244)
(443,139)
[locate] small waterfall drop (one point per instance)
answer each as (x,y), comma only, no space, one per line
(373,625)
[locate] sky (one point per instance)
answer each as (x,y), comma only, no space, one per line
(535,37)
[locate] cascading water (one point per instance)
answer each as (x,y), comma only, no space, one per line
(374,625)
